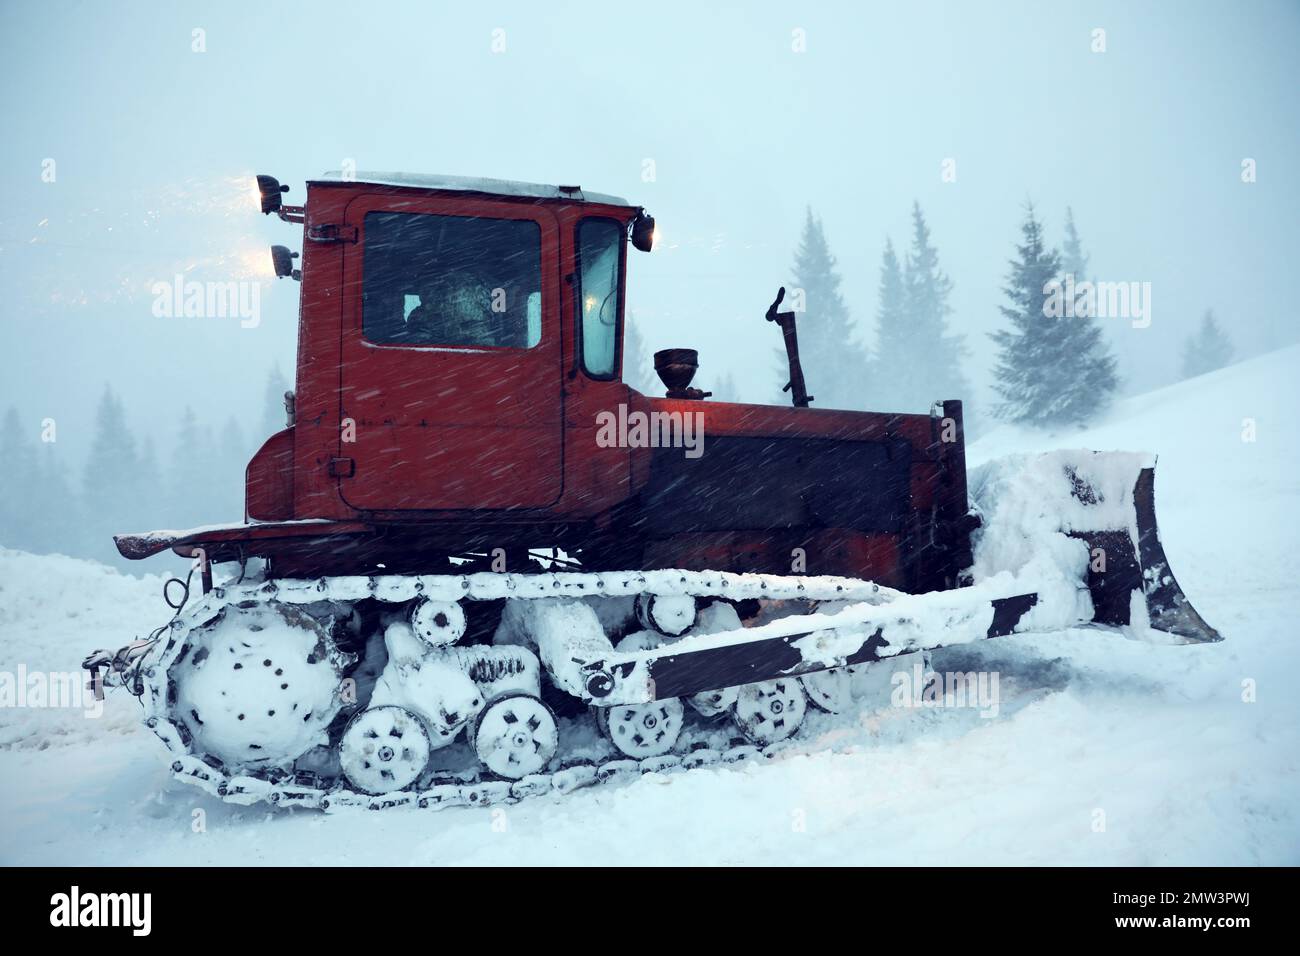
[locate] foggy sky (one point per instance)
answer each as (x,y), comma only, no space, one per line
(154,146)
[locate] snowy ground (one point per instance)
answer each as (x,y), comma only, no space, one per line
(1106,749)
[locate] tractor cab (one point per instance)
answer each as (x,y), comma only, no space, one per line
(450,328)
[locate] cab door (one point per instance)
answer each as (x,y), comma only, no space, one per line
(450,380)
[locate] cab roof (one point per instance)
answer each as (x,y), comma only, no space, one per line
(471,184)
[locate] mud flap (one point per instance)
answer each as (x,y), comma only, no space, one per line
(1128,568)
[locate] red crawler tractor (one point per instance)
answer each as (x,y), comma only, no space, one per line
(471,523)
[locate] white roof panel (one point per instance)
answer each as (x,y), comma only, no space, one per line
(476,184)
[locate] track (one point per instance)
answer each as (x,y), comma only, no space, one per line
(147,676)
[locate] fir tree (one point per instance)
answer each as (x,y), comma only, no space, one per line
(638,366)
(1209,348)
(928,289)
(213,488)
(1074,261)
(1052,369)
(232,460)
(56,503)
(834,363)
(18,517)
(233,448)
(190,476)
(1089,376)
(918,359)
(108,493)
(149,487)
(273,419)
(724,388)
(892,333)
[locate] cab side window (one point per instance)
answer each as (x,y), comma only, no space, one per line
(600,251)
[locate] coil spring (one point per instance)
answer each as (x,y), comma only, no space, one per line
(487,665)
(489,671)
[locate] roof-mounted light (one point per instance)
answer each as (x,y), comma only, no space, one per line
(643,231)
(270,191)
(282,262)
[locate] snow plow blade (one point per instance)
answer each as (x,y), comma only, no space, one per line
(1144,569)
(1106,500)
